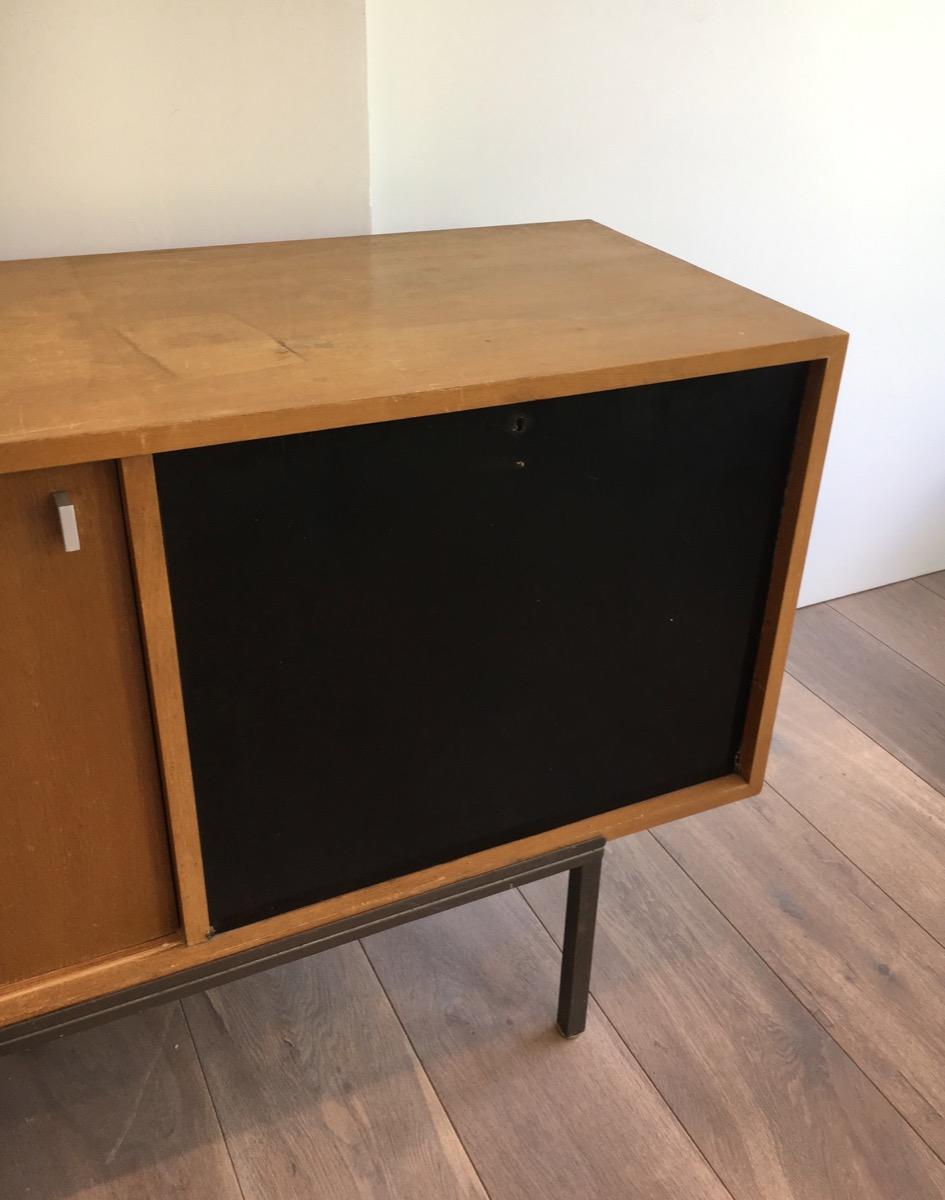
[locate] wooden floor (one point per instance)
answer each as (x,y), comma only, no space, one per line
(768,1016)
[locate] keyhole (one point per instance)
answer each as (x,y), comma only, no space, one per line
(519,423)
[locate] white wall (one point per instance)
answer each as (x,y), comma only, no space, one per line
(129,124)
(792,145)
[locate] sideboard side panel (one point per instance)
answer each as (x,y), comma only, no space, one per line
(797,518)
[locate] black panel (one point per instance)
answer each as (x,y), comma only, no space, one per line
(408,641)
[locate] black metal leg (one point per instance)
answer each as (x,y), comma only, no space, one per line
(578,950)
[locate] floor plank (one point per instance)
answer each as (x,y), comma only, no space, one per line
(872,807)
(318,1090)
(774,1104)
(866,970)
(894,702)
(114,1113)
(540,1116)
(936,582)
(908,617)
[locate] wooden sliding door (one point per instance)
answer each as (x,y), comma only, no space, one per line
(84,862)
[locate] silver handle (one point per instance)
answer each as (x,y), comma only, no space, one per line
(67,521)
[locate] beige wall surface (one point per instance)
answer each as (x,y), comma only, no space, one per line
(138,124)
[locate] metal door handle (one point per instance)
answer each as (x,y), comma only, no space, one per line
(67,522)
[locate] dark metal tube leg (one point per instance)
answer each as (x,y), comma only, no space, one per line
(578,950)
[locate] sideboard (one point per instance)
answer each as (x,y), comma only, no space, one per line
(337,573)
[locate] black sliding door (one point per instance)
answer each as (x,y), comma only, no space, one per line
(407,641)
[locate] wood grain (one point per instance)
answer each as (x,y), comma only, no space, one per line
(773,1103)
(883,694)
(84,863)
(907,617)
(69,987)
(108,356)
(540,1116)
(117,1113)
(170,727)
(318,1090)
(871,806)
(871,976)
(935,582)
(787,568)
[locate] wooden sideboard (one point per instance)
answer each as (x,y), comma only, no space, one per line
(338,572)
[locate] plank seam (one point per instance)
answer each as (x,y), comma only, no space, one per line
(920,579)
(909,766)
(420,1063)
(213,1099)
(853,863)
(812,1011)
(643,1071)
(893,649)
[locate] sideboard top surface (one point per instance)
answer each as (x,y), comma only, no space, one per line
(111,355)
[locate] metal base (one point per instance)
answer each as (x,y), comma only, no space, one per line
(580,922)
(583,861)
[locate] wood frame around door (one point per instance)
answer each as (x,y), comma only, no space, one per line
(146,540)
(197,944)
